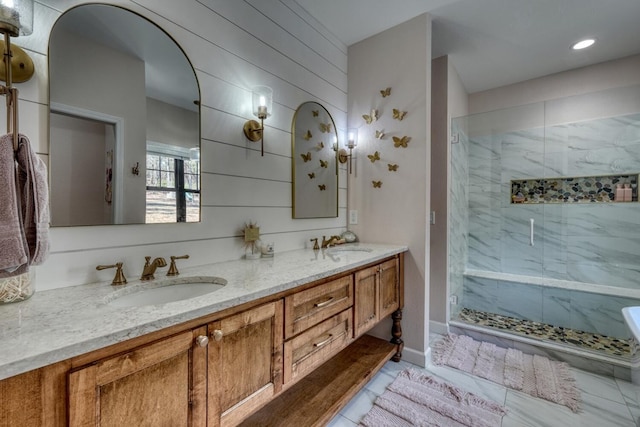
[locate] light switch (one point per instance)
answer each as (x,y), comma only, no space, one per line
(353,217)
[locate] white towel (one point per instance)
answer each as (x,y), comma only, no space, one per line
(13,245)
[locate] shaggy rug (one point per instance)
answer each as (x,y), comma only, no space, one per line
(534,375)
(416,399)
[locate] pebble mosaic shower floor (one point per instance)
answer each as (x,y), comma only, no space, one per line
(586,340)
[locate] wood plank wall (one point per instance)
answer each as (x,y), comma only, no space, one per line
(233,46)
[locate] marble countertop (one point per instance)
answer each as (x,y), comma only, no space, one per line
(62,323)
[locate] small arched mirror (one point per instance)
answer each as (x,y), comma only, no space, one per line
(314,163)
(124,121)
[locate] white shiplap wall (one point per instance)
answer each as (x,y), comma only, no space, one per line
(233,46)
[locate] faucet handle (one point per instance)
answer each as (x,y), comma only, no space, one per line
(173,270)
(119,278)
(315,244)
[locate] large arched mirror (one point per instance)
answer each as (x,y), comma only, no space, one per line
(314,163)
(124,117)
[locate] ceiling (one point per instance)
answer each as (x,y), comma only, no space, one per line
(493,43)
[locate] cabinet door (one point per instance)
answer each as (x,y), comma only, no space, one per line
(245,363)
(149,386)
(389,288)
(366,300)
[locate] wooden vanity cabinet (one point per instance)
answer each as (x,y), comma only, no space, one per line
(163,383)
(245,363)
(377,294)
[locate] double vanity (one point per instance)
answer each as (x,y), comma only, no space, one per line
(256,342)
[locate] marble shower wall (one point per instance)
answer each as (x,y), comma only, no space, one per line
(596,243)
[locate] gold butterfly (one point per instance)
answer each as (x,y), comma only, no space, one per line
(376,184)
(385,92)
(398,115)
(325,128)
(324,163)
(320,146)
(401,142)
(322,187)
(312,175)
(392,167)
(379,134)
(308,135)
(373,157)
(315,113)
(306,157)
(370,118)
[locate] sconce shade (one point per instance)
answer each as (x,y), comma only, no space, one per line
(352,138)
(262,101)
(16,17)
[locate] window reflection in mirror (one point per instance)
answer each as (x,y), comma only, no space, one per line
(124,121)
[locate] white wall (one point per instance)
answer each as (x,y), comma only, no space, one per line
(396,212)
(599,77)
(233,45)
(449,99)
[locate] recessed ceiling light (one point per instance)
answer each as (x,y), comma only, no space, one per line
(583,44)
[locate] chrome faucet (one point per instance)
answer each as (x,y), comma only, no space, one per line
(332,240)
(150,267)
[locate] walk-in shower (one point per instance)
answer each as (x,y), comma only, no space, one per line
(544,231)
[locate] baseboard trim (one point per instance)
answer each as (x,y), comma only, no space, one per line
(438,327)
(416,357)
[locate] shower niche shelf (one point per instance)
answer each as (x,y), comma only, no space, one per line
(584,189)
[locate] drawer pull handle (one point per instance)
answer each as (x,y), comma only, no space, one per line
(323,303)
(217,334)
(321,343)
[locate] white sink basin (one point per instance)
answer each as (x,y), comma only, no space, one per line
(163,292)
(339,249)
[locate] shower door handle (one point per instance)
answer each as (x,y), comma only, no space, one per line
(531,222)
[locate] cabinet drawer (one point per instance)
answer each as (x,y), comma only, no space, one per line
(315,346)
(312,306)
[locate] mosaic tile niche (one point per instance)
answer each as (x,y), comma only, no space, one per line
(586,189)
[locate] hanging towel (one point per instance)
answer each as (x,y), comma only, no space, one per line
(34,201)
(13,245)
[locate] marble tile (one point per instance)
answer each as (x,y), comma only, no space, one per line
(340,421)
(380,382)
(519,300)
(359,405)
(598,412)
(527,411)
(479,294)
(556,307)
(599,313)
(598,386)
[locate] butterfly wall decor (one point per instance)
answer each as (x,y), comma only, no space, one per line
(373,157)
(398,115)
(370,118)
(376,184)
(315,113)
(401,142)
(392,167)
(385,92)
(320,146)
(306,157)
(322,187)
(307,136)
(312,175)
(325,127)
(379,134)
(324,163)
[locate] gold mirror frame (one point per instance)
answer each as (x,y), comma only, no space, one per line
(314,163)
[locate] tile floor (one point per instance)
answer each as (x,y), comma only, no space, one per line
(606,402)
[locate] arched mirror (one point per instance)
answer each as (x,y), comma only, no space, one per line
(124,118)
(314,164)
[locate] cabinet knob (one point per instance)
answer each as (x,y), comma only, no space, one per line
(217,334)
(202,341)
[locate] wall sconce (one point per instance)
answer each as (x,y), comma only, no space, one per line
(262,102)
(352,142)
(16,18)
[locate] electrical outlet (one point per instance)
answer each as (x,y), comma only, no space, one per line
(353,217)
(453,299)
